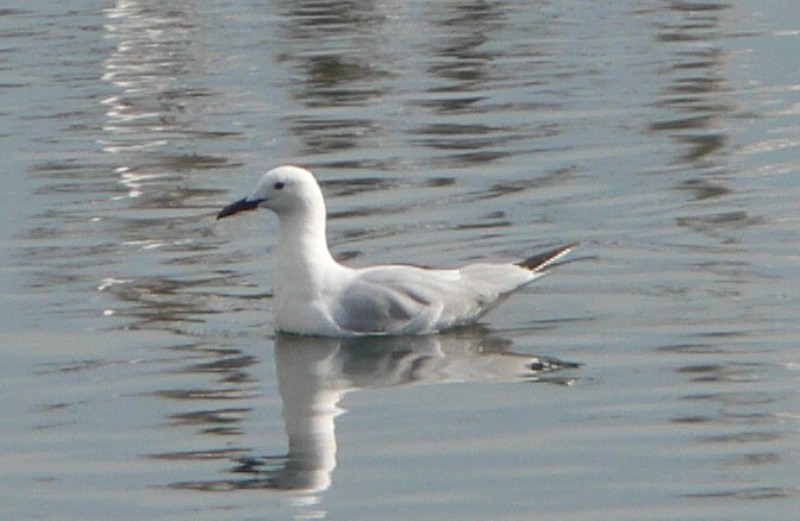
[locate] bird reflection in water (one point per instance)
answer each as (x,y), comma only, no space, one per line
(314,373)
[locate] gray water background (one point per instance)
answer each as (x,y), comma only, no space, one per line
(139,369)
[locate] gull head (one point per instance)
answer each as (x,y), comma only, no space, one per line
(284,190)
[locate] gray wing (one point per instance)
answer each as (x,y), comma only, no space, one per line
(408,299)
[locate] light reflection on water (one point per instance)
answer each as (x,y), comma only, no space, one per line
(661,135)
(313,375)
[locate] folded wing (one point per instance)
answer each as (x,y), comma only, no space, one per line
(410,300)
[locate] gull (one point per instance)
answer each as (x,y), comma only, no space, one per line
(316,295)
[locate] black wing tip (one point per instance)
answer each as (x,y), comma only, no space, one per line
(541,260)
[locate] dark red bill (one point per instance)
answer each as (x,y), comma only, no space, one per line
(239,206)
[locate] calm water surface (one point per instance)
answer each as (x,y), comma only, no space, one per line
(142,379)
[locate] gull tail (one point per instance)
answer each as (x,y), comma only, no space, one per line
(539,262)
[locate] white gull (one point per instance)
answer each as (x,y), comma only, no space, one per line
(315,295)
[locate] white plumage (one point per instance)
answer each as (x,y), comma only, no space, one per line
(315,295)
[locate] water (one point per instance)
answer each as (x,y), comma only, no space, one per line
(140,373)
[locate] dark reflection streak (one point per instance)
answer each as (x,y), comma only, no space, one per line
(171,304)
(462,64)
(341,56)
(750,493)
(232,382)
(697,86)
(732,421)
(204,418)
(742,437)
(698,115)
(336,52)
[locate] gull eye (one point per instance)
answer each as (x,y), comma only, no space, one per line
(278,186)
